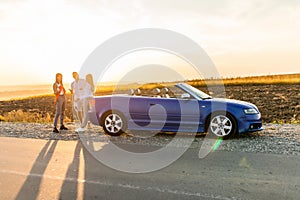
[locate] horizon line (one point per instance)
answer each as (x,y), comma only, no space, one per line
(212,78)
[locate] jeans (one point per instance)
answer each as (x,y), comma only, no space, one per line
(60,109)
(85,112)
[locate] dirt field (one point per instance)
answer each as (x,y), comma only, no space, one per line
(278,103)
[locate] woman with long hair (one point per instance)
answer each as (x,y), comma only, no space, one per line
(89,79)
(60,102)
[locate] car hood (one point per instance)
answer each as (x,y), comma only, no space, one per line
(233,101)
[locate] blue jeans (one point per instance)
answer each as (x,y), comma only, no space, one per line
(85,111)
(60,109)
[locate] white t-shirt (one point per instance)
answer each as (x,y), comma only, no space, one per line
(78,88)
(88,91)
(81,89)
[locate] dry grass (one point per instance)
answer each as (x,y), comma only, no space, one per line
(252,80)
(2,118)
(292,121)
(34,117)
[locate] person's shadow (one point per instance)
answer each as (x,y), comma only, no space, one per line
(69,189)
(31,186)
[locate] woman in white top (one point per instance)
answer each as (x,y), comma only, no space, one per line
(88,94)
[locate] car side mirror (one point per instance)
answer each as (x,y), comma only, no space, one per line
(185,96)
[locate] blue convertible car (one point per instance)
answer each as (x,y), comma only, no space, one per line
(179,108)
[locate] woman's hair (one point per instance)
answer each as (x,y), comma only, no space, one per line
(56,77)
(89,79)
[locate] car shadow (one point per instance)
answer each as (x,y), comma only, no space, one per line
(203,135)
(248,135)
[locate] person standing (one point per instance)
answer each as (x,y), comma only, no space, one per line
(60,102)
(88,94)
(77,89)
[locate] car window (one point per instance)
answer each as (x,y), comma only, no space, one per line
(196,92)
(176,92)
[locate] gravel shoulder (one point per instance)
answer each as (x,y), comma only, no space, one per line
(274,139)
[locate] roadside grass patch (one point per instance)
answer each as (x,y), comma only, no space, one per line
(2,118)
(34,117)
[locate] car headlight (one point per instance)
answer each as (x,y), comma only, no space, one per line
(250,111)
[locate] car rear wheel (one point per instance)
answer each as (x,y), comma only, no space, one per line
(222,125)
(114,123)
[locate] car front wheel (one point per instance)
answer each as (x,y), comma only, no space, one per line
(222,125)
(114,124)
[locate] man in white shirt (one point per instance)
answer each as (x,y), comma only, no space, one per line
(78,91)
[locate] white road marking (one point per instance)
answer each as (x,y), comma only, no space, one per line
(126,186)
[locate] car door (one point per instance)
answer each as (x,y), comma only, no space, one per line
(150,113)
(166,114)
(190,115)
(181,114)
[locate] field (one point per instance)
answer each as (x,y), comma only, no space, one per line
(277,97)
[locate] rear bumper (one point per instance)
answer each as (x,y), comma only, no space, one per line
(93,118)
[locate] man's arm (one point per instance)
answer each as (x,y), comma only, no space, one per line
(72,88)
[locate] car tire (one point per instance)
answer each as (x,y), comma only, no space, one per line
(114,123)
(222,125)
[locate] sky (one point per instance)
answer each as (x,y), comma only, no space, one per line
(39,38)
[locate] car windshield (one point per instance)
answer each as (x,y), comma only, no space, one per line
(194,91)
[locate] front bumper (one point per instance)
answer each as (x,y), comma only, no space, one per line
(250,123)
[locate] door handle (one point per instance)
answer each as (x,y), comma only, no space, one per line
(152,104)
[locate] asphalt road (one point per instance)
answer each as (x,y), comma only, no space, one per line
(41,169)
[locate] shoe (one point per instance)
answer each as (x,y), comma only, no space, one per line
(63,128)
(80,130)
(55,130)
(89,125)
